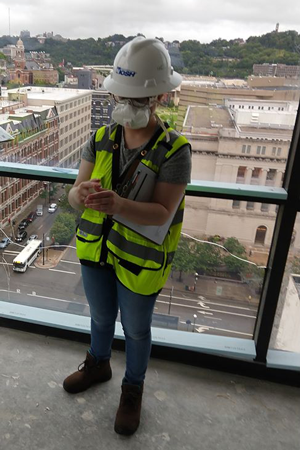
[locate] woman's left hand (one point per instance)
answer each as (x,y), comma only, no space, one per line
(104,200)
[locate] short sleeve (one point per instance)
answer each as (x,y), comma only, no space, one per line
(88,150)
(177,169)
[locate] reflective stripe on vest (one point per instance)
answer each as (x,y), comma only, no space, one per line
(87,227)
(134,249)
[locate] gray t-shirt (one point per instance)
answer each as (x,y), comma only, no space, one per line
(176,170)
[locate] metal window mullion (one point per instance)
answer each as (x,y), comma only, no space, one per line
(280,246)
(279,250)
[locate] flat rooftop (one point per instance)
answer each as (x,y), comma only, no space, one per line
(54,94)
(268,131)
(208,117)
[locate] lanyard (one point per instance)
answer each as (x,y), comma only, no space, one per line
(119,182)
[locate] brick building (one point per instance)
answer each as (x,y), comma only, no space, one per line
(35,140)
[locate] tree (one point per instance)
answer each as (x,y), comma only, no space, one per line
(237,249)
(53,188)
(184,260)
(63,228)
(207,256)
(65,205)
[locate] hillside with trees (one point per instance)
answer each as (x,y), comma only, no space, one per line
(220,58)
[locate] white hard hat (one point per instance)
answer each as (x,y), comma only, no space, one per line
(142,68)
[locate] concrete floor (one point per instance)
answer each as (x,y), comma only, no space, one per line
(183,408)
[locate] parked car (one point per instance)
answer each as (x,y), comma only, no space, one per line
(30,218)
(52,208)
(31,238)
(23,224)
(4,242)
(39,210)
(21,236)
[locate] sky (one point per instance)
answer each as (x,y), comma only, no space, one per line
(203,20)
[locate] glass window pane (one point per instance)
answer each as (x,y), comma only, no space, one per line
(285,338)
(208,290)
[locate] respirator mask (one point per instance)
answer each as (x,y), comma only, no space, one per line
(132,113)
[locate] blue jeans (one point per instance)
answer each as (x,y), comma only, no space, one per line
(105,295)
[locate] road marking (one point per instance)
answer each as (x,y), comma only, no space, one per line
(207,327)
(6,264)
(70,262)
(9,252)
(209,302)
(211,318)
(41,226)
(63,271)
(56,299)
(203,305)
(202,329)
(212,310)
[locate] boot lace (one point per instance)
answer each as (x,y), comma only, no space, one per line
(83,366)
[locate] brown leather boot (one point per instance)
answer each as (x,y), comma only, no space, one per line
(88,373)
(129,412)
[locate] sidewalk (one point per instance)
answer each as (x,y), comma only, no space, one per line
(51,258)
(212,288)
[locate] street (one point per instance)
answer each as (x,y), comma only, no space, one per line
(60,288)
(216,307)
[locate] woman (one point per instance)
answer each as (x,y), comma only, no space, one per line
(120,267)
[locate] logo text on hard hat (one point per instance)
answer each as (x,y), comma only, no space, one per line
(125,72)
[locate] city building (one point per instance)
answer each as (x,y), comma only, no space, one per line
(102,107)
(30,135)
(74,112)
(276,83)
(31,68)
(98,73)
(276,70)
(24,34)
(19,59)
(84,79)
(9,51)
(206,92)
(246,142)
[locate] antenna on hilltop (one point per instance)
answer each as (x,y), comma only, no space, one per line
(8,21)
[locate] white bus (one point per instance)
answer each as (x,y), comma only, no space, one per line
(29,253)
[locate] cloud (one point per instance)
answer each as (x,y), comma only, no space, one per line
(172,19)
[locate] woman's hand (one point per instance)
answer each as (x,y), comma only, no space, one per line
(85,188)
(104,200)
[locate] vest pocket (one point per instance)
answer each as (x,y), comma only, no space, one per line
(82,239)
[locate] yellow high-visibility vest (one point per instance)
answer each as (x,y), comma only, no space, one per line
(139,264)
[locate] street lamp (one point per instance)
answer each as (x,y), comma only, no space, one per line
(47,239)
(195,317)
(170,300)
(195,280)
(45,184)
(49,188)
(12,224)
